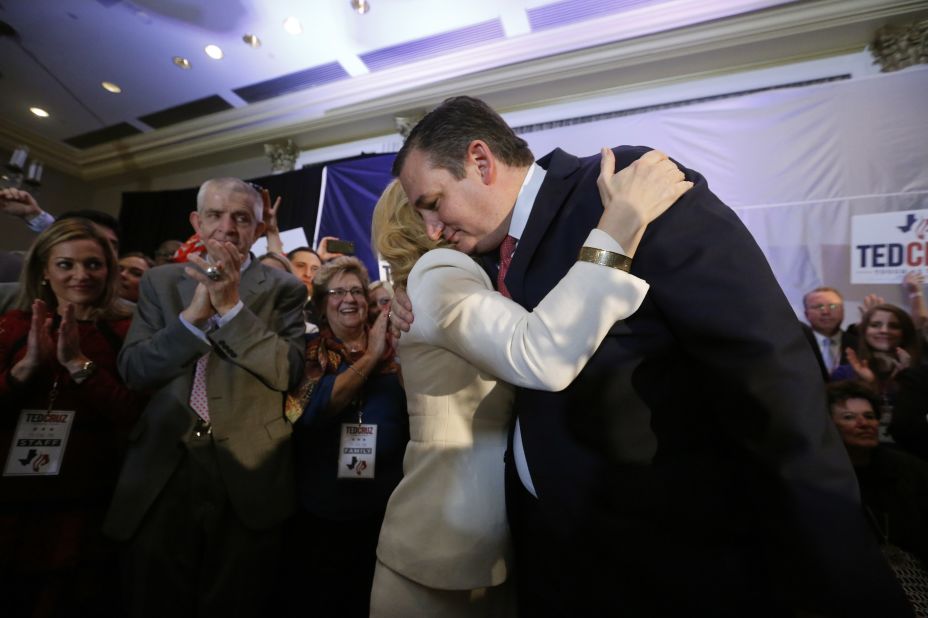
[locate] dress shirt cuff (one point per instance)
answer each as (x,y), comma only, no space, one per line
(518,452)
(230,315)
(40,222)
(599,239)
(201,335)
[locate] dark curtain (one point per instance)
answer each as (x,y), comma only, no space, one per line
(147,218)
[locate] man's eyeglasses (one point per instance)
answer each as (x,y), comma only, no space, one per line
(822,307)
(339,293)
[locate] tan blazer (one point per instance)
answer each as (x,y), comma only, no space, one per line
(445,525)
(254,359)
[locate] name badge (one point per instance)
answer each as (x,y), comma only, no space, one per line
(357,451)
(39,443)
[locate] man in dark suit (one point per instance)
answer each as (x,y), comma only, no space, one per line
(691,469)
(824,309)
(208,478)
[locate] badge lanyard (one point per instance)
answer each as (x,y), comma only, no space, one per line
(357,448)
(40,440)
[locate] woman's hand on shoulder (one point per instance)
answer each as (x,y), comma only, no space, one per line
(637,194)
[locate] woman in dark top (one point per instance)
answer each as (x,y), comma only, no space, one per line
(893,483)
(350,433)
(65,415)
(888,348)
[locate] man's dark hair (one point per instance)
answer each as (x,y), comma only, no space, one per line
(839,392)
(290,254)
(446,132)
(96,216)
(139,254)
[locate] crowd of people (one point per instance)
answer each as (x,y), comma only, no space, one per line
(556,408)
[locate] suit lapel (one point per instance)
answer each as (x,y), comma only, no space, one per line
(254,279)
(186,287)
(552,195)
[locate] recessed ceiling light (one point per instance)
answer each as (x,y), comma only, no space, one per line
(293,26)
(38,111)
(251,40)
(360,6)
(213,52)
(182,62)
(111,87)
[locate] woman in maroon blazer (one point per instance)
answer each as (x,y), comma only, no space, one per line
(64,415)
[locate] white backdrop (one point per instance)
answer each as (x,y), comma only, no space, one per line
(795,164)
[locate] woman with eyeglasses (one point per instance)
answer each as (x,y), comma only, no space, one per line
(350,433)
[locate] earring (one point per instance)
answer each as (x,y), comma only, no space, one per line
(45,282)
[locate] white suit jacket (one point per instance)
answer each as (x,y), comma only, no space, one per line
(445,525)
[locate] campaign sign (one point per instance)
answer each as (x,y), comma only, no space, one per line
(885,246)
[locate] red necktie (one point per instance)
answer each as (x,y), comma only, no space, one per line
(506,249)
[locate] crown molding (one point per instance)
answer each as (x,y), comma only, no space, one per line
(364,106)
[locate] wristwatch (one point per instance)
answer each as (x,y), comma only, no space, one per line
(84,372)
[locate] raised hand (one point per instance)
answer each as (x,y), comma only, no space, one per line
(377,337)
(40,346)
(68,350)
(870,301)
(200,308)
(18,203)
(223,287)
(861,367)
(903,361)
(323,249)
(271,224)
(913,281)
(637,195)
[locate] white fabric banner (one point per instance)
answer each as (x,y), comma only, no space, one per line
(796,164)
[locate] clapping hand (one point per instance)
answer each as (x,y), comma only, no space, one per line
(40,346)
(220,276)
(68,350)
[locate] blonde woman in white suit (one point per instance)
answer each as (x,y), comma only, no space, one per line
(444,546)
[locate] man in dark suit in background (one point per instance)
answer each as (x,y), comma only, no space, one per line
(691,469)
(824,309)
(208,478)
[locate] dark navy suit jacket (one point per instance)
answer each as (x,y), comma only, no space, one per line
(692,464)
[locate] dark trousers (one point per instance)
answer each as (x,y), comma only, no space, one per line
(539,565)
(193,557)
(331,565)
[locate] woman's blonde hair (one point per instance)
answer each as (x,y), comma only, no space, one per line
(107,307)
(399,233)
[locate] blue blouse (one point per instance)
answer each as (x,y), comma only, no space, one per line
(316,441)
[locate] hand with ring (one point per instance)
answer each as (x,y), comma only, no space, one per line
(214,273)
(220,274)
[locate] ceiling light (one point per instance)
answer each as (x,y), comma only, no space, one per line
(213,51)
(111,87)
(38,111)
(293,26)
(360,6)
(182,62)
(251,40)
